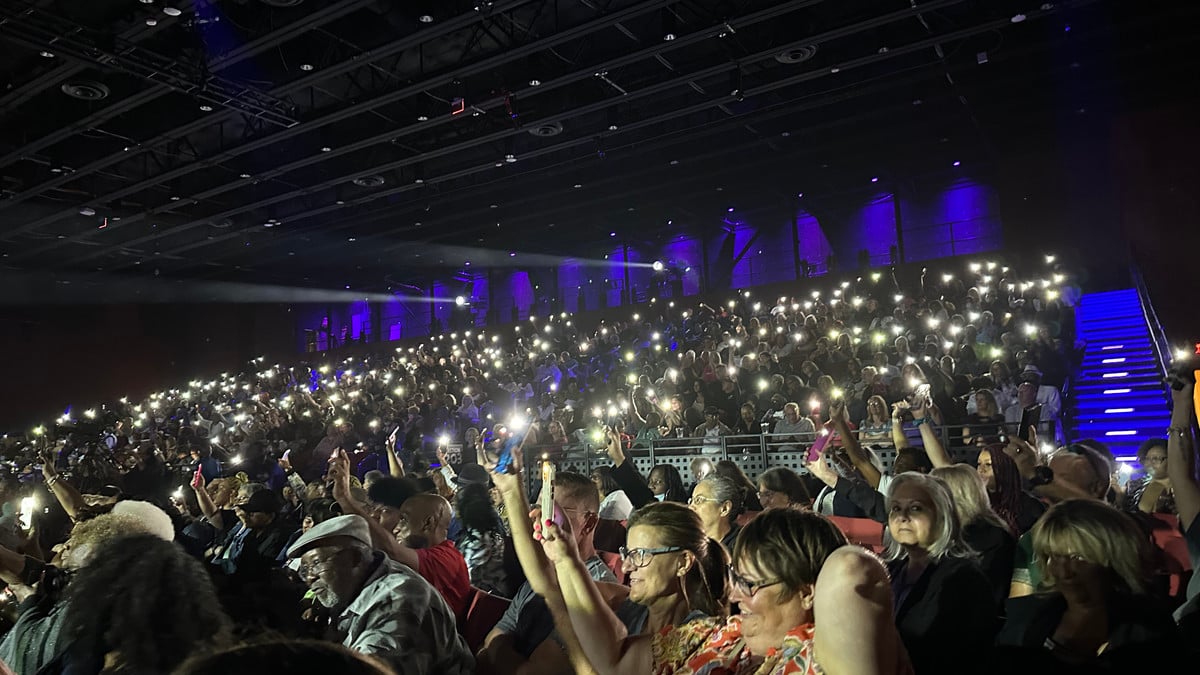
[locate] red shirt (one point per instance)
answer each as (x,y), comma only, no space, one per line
(446,570)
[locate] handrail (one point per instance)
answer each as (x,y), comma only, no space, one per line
(1158,337)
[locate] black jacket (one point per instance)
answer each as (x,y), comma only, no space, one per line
(948,619)
(1142,638)
(996,547)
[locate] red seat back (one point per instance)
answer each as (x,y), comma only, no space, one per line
(613,560)
(609,535)
(483,613)
(1175,560)
(861,531)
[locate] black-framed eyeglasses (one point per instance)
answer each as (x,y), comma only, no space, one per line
(748,587)
(640,557)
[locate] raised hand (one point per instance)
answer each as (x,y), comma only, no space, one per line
(339,474)
(198,481)
(509,482)
(898,409)
(558,541)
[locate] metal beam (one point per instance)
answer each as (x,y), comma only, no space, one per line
(580,75)
(258,46)
(483,66)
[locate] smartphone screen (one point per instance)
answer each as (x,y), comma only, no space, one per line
(547,501)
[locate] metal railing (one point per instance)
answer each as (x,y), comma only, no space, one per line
(1158,337)
(755,453)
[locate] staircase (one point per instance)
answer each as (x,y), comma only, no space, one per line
(1120,397)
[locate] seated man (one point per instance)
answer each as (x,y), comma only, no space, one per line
(1027,397)
(253,544)
(519,641)
(417,537)
(792,429)
(378,606)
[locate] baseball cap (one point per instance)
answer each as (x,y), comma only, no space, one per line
(263,501)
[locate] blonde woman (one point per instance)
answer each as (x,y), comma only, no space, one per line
(982,529)
(1099,614)
(986,424)
(876,428)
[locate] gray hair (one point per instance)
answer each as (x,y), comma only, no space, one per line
(949,540)
(726,490)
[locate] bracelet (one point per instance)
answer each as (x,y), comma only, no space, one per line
(919,422)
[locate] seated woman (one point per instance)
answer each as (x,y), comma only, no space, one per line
(982,529)
(1098,615)
(1152,492)
(876,428)
(944,607)
(798,595)
(986,424)
(781,488)
(718,502)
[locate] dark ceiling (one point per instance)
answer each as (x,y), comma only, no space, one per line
(314,142)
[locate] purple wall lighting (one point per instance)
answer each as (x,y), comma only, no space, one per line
(441,309)
(683,252)
(875,226)
(521,291)
(962,219)
(360,320)
(570,279)
(767,258)
(814,245)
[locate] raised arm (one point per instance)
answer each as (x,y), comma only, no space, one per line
(899,439)
(395,466)
(625,474)
(858,456)
(66,494)
(381,538)
(207,507)
(923,417)
(853,596)
(1180,459)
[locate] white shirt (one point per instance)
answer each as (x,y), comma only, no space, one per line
(616,506)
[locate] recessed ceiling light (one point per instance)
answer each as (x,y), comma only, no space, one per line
(174,199)
(510,158)
(147,2)
(306,67)
(422,118)
(535,83)
(206,108)
(268,224)
(425,18)
(668,37)
(493,206)
(326,149)
(244,176)
(151,22)
(46,54)
(418,181)
(578,185)
(351,239)
(172,11)
(612,127)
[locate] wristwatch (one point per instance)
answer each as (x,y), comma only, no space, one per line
(1042,475)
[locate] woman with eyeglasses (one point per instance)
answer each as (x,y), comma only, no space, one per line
(1098,614)
(944,607)
(1152,492)
(798,595)
(718,502)
(781,488)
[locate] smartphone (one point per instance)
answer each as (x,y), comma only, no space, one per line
(1029,419)
(547,500)
(504,463)
(27,506)
(196,476)
(920,397)
(814,453)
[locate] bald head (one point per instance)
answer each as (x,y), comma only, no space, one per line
(424,520)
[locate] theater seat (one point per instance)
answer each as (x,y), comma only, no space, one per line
(862,531)
(483,613)
(1174,560)
(613,560)
(746,517)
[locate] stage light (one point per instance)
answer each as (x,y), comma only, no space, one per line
(1050,260)
(460,301)
(658,266)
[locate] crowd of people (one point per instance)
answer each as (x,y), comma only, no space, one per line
(351,512)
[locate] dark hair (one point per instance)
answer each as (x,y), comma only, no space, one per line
(729,469)
(147,600)
(788,545)
(1006,499)
(426,484)
(608,484)
(321,510)
(297,657)
(675,490)
(1148,445)
(678,525)
(783,479)
(920,458)
(475,509)
(392,491)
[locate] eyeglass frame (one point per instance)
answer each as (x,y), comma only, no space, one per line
(696,500)
(647,553)
(744,585)
(315,570)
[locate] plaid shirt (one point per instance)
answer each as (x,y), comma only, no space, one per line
(399,618)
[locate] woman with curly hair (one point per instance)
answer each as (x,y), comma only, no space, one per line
(481,540)
(141,606)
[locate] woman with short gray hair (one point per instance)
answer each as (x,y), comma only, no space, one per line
(718,502)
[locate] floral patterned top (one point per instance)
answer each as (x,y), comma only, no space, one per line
(715,647)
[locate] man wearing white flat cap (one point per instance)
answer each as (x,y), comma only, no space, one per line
(379,607)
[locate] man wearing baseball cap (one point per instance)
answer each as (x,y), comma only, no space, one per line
(379,606)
